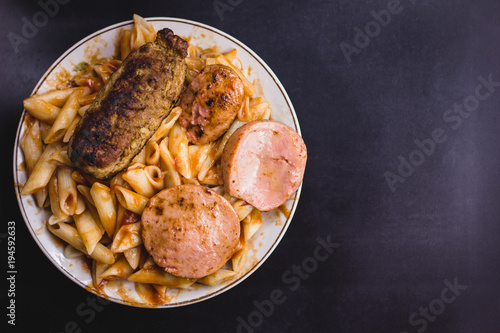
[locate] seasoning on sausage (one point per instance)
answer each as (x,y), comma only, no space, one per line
(211,103)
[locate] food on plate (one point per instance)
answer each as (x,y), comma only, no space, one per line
(210,103)
(190,230)
(164,218)
(263,163)
(130,107)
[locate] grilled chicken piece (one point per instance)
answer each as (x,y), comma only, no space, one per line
(211,103)
(130,107)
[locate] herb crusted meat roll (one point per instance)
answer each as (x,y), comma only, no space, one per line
(130,107)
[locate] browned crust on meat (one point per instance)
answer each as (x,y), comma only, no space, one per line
(130,107)
(218,92)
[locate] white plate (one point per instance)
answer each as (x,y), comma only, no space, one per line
(102,44)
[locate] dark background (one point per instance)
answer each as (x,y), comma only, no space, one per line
(397,248)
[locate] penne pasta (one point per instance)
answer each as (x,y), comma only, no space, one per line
(257,108)
(219,190)
(139,182)
(88,230)
(102,72)
(252,110)
(222,142)
(70,235)
(267,114)
(71,129)
(244,112)
(152,153)
(92,82)
(124,217)
(97,269)
(80,204)
(231,55)
(155,177)
(156,275)
(60,156)
(43,170)
(117,180)
(209,53)
(56,97)
(167,124)
(178,146)
(97,220)
(41,109)
(78,178)
(66,116)
(196,64)
(242,208)
(210,61)
(86,100)
(220,276)
(83,109)
(53,219)
(41,197)
(118,271)
(133,256)
(105,205)
(190,75)
(136,38)
(125,44)
(149,263)
(240,256)
(172,177)
(147,30)
(130,200)
(44,129)
(105,70)
(55,207)
(229,198)
(207,164)
(141,157)
(161,291)
(213,175)
(120,217)
(128,237)
(251,224)
(67,191)
(197,156)
(191,181)
(193,51)
(32,145)
(85,191)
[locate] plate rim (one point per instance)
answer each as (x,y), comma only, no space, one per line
(62,269)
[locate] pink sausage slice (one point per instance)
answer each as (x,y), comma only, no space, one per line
(263,163)
(190,230)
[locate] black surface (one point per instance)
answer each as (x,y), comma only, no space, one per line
(396,248)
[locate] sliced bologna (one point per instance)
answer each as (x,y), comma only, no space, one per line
(263,163)
(190,230)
